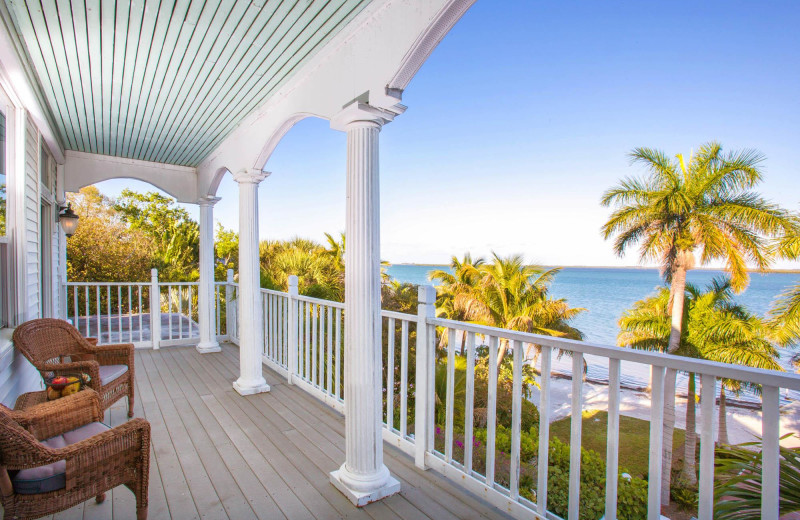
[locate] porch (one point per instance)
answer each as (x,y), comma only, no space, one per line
(216,454)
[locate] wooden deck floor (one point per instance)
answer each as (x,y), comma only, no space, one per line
(217,454)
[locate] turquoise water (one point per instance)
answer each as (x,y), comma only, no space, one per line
(606,293)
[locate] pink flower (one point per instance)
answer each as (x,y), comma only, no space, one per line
(460,444)
(438,430)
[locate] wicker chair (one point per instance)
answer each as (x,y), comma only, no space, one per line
(56,347)
(57,454)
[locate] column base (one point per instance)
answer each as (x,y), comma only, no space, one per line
(362,498)
(250,387)
(205,348)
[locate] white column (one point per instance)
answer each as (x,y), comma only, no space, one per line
(205,293)
(250,327)
(363,477)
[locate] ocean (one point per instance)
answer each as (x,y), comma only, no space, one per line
(606,293)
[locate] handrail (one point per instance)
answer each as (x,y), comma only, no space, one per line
(699,366)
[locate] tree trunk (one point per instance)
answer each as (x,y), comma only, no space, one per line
(723,423)
(689,462)
(678,296)
(501,353)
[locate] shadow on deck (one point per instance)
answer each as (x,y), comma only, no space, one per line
(217,454)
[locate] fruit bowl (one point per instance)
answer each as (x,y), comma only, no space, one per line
(62,385)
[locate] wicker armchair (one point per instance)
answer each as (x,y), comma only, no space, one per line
(56,455)
(56,347)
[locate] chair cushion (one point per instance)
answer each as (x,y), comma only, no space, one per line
(53,476)
(109,373)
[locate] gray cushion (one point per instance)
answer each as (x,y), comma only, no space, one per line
(53,476)
(109,373)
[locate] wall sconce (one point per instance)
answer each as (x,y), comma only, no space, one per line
(68,220)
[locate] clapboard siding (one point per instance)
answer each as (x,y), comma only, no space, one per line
(32,212)
(17,375)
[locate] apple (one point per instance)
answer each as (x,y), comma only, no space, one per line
(60,380)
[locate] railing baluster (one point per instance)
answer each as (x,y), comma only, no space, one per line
(306,344)
(108,313)
(544,431)
(169,309)
(75,306)
(130,314)
(99,318)
(321,343)
(491,411)
(612,446)
(516,419)
(403,379)
(770,454)
(273,327)
(576,422)
(338,351)
(708,391)
(141,311)
(217,313)
(390,374)
(180,312)
(314,345)
(450,404)
(329,374)
(656,442)
(469,403)
(119,310)
(88,328)
(191,312)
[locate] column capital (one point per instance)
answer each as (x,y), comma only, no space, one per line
(207,201)
(358,112)
(250,176)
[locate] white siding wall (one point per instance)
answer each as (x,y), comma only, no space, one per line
(17,375)
(32,212)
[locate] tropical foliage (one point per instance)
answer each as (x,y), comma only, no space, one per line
(505,293)
(705,206)
(738,495)
(715,328)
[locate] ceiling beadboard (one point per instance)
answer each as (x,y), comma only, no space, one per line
(166,81)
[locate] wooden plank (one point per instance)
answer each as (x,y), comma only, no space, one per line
(280,477)
(323,427)
(176,489)
(196,385)
(200,486)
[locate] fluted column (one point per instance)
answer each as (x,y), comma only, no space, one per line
(363,477)
(205,294)
(251,331)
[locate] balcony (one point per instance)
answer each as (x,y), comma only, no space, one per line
(218,455)
(188,395)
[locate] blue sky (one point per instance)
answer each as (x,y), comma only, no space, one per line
(524,114)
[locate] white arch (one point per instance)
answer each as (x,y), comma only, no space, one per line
(82,169)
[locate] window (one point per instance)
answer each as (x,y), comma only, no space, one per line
(3,155)
(4,271)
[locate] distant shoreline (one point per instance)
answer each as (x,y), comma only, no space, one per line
(639,267)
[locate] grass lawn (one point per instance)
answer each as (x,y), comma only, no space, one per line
(634,437)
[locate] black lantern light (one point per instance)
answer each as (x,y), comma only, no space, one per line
(68,220)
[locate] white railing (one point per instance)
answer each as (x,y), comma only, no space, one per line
(303,340)
(148,314)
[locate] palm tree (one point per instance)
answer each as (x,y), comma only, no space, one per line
(704,205)
(512,295)
(784,316)
(715,328)
(453,289)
